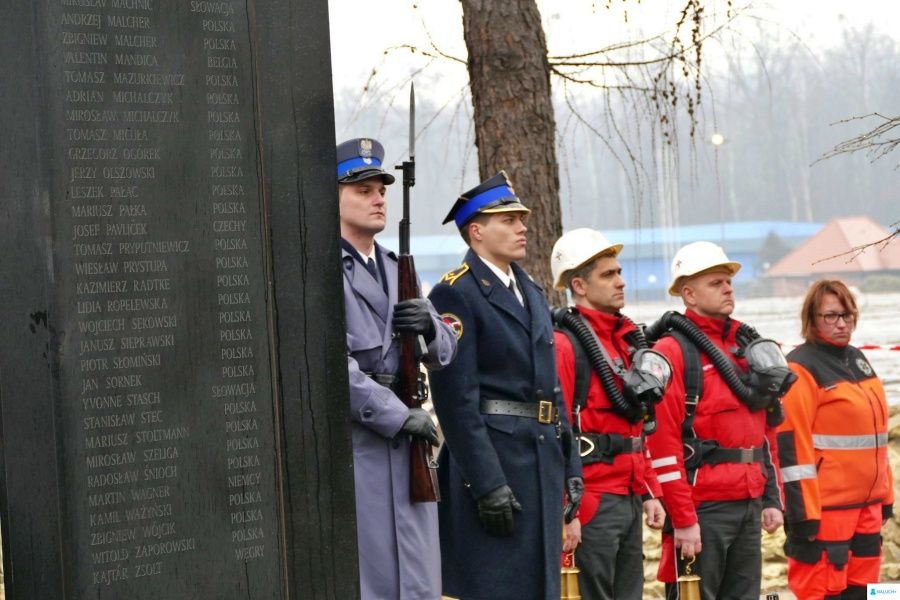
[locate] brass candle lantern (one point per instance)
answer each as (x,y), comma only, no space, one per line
(689,583)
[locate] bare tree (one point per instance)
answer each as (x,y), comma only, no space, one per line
(515,127)
(510,76)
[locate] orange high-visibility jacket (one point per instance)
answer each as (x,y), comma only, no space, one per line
(833,442)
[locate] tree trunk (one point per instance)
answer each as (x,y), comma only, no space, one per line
(515,128)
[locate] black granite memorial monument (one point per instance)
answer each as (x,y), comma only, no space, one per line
(172,356)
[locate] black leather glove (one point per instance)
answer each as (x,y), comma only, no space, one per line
(495,509)
(419,424)
(413,316)
(574,493)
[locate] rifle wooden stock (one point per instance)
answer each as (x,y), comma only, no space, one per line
(423,485)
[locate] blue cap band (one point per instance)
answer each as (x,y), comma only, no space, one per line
(480,201)
(355,162)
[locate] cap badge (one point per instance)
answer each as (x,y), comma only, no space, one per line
(365,147)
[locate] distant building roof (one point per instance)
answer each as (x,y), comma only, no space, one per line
(833,250)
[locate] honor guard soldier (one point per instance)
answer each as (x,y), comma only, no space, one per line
(508,454)
(399,555)
(713,449)
(595,350)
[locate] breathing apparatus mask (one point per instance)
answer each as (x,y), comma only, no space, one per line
(770,377)
(645,383)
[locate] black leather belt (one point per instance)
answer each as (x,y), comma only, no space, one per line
(733,455)
(543,411)
(602,447)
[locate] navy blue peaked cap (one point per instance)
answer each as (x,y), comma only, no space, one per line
(492,196)
(359,159)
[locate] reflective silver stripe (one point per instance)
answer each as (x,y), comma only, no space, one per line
(849,442)
(798,472)
(663,462)
(669,477)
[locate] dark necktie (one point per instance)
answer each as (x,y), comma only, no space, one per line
(512,288)
(373,270)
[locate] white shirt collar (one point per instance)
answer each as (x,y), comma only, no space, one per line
(504,278)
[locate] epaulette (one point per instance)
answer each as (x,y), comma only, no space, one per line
(450,277)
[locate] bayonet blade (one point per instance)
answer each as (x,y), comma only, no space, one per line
(412,121)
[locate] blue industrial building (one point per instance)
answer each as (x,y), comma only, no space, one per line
(648,252)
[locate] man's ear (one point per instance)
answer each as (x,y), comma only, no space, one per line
(474,231)
(687,295)
(577,286)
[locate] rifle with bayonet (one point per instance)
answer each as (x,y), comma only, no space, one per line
(423,486)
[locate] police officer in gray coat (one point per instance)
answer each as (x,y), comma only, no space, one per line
(508,455)
(399,556)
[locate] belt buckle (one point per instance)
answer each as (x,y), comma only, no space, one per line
(747,455)
(545,412)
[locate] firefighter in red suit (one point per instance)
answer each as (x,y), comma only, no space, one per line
(716,509)
(619,483)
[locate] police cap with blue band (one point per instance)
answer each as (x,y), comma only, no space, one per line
(359,159)
(495,195)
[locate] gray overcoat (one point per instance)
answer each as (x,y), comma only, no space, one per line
(399,550)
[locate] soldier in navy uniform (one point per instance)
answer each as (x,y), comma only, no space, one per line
(399,557)
(508,454)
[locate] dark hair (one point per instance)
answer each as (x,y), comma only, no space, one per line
(584,270)
(480,218)
(813,299)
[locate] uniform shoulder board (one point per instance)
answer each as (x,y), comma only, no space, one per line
(450,277)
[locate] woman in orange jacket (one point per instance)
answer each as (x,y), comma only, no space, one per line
(833,453)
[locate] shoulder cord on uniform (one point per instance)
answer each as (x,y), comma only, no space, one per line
(568,319)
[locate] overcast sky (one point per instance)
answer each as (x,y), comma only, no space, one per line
(363,34)
(362,31)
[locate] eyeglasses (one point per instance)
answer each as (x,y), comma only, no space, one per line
(831,318)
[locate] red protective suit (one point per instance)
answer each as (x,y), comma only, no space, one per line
(629,472)
(720,416)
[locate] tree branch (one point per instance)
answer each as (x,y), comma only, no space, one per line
(857,250)
(876,143)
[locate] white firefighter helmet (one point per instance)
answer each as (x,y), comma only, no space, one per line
(576,248)
(696,258)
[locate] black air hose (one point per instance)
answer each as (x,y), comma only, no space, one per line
(726,368)
(637,334)
(745,334)
(568,318)
(654,331)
